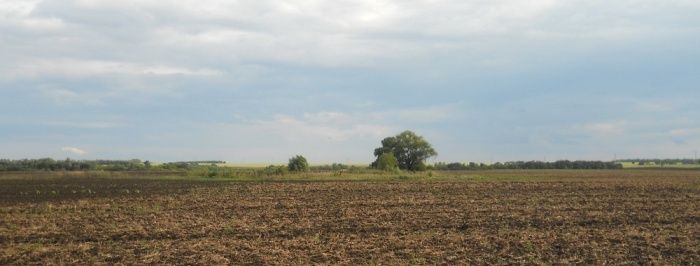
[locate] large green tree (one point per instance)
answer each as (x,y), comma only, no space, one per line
(410,150)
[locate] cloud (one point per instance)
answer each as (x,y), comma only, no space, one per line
(68,97)
(74,150)
(337,33)
(333,77)
(18,13)
(325,117)
(74,68)
(84,125)
(426,114)
(276,138)
(655,106)
(606,128)
(324,136)
(324,126)
(684,132)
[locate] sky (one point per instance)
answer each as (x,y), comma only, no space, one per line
(261,81)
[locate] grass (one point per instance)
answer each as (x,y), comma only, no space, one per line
(248,175)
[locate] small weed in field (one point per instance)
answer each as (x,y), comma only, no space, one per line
(148,209)
(229,230)
(404,177)
(529,247)
(418,261)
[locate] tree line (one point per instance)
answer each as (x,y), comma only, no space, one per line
(408,151)
(48,164)
(562,164)
(187,164)
(659,161)
(296,164)
(405,151)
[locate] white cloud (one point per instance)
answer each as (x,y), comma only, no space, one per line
(105,57)
(606,128)
(403,116)
(326,136)
(35,24)
(684,132)
(18,13)
(310,128)
(74,150)
(189,37)
(69,97)
(655,106)
(87,68)
(279,137)
(17,8)
(84,125)
(429,114)
(328,117)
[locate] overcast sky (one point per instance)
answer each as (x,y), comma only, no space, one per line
(260,81)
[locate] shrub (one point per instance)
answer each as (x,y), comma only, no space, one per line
(298,164)
(272,170)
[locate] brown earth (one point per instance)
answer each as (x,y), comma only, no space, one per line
(569,217)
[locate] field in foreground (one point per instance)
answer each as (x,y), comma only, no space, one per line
(589,217)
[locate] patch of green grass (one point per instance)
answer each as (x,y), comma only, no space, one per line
(381,176)
(367,175)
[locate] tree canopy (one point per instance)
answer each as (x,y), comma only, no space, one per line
(410,150)
(387,162)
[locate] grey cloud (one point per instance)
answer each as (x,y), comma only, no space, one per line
(526,75)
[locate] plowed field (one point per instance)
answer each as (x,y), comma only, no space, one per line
(614,217)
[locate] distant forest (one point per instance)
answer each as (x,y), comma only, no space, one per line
(660,161)
(564,164)
(48,164)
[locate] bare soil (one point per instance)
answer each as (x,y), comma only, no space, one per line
(601,217)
